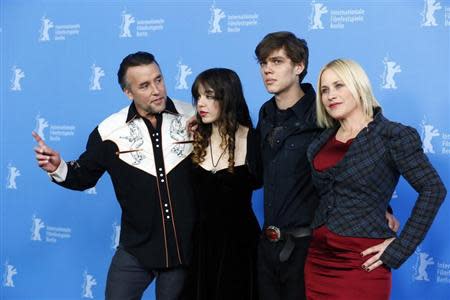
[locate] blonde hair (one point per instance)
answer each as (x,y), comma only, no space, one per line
(356,80)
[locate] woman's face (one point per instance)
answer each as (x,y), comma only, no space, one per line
(207,106)
(337,98)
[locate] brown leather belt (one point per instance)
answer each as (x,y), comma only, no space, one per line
(275,234)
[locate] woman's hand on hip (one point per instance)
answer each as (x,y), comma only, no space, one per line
(377,250)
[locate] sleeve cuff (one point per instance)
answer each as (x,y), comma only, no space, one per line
(394,256)
(60,174)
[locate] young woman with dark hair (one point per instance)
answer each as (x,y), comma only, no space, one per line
(226,173)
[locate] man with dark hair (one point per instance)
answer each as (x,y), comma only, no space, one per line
(287,126)
(150,172)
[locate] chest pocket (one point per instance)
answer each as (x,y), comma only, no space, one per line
(294,155)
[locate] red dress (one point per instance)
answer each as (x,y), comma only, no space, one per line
(333,266)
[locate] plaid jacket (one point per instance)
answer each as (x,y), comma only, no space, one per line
(355,193)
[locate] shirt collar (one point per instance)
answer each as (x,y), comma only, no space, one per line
(301,107)
(132,111)
(304,103)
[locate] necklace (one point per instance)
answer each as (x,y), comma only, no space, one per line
(214,165)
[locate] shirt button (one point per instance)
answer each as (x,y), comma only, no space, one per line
(160,169)
(161,175)
(167,210)
(278,141)
(166,205)
(157,145)
(162,180)
(330,207)
(157,140)
(168,217)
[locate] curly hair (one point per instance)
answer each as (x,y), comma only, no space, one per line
(234,111)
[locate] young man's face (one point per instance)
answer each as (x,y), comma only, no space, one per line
(145,85)
(279,73)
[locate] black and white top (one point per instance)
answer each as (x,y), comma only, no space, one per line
(151,177)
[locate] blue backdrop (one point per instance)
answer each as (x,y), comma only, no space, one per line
(58,77)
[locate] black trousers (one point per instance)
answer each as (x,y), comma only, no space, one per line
(127,279)
(281,280)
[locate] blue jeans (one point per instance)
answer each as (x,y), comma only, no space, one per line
(127,279)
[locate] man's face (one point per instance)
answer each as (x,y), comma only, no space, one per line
(279,73)
(145,85)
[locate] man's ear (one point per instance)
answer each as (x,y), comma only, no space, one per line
(128,93)
(299,68)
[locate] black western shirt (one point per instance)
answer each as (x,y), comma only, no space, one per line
(151,175)
(289,196)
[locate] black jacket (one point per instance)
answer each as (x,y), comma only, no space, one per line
(289,195)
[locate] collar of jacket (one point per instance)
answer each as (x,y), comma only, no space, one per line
(362,137)
(300,108)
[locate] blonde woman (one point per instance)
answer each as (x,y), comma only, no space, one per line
(356,165)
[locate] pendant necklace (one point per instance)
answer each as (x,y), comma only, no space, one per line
(214,165)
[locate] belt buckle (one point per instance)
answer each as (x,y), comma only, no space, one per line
(272,233)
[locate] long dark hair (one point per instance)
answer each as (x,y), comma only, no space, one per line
(234,111)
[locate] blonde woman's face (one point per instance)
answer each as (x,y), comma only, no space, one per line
(337,98)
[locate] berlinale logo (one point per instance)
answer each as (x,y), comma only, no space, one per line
(13,173)
(37,225)
(428,133)
(183,72)
(428,19)
(420,269)
(88,282)
(96,74)
(46,25)
(17,75)
(127,20)
(41,124)
(115,238)
(315,21)
(10,271)
(390,69)
(217,14)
